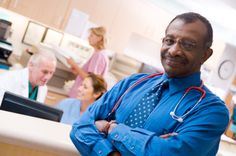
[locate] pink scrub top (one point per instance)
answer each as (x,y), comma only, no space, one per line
(97,64)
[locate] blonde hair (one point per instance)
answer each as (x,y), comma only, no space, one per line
(101,32)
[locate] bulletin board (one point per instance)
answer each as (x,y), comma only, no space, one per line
(53,37)
(34,33)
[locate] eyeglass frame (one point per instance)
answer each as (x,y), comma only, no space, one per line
(185,44)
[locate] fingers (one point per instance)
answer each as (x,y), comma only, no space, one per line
(165,136)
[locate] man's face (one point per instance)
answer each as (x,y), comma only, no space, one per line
(183,49)
(42,72)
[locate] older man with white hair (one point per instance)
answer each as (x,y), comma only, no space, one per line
(31,81)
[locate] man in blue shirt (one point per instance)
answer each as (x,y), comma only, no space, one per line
(141,125)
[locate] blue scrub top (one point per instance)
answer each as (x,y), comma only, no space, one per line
(71,110)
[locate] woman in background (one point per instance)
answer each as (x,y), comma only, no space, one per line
(97,64)
(92,88)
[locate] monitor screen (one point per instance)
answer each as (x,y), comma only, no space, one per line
(19,104)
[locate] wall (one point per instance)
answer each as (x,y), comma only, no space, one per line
(19,25)
(224,83)
(121,18)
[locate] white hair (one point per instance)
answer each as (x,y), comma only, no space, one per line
(42,54)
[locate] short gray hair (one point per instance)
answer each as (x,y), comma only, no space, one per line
(42,54)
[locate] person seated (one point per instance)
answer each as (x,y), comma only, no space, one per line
(31,81)
(92,88)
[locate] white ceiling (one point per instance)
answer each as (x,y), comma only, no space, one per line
(221,13)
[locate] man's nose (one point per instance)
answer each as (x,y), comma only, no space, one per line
(48,76)
(175,49)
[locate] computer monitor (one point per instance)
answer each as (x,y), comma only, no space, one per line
(19,104)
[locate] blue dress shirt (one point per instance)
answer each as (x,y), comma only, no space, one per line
(198,135)
(71,110)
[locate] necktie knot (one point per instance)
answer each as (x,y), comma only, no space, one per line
(164,84)
(161,86)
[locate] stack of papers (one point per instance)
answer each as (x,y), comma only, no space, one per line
(63,54)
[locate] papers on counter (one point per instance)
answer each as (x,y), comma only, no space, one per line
(63,54)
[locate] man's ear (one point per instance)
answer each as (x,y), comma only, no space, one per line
(206,55)
(30,65)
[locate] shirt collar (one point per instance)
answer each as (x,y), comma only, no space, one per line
(182,83)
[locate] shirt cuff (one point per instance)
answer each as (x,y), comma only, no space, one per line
(103,148)
(118,133)
(121,138)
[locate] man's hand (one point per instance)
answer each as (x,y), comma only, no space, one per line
(115,153)
(165,136)
(102,126)
(112,124)
(105,126)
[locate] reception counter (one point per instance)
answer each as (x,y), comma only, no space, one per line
(227,146)
(22,135)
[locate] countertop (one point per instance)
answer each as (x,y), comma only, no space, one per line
(36,133)
(50,136)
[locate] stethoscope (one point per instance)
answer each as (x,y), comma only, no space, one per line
(181,118)
(172,113)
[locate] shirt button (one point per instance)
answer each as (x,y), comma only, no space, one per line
(116,136)
(132,147)
(100,152)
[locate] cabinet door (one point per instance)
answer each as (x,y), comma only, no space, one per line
(101,12)
(4,3)
(49,12)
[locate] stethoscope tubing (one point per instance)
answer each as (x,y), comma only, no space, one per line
(132,86)
(180,118)
(172,113)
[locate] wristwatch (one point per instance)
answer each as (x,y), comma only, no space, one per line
(226,69)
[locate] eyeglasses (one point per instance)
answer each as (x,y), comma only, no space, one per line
(185,44)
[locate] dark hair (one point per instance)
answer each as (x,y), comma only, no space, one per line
(99,84)
(191,17)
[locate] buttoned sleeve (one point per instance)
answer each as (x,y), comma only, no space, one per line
(87,138)
(197,136)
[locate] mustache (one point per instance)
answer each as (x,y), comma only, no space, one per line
(174,58)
